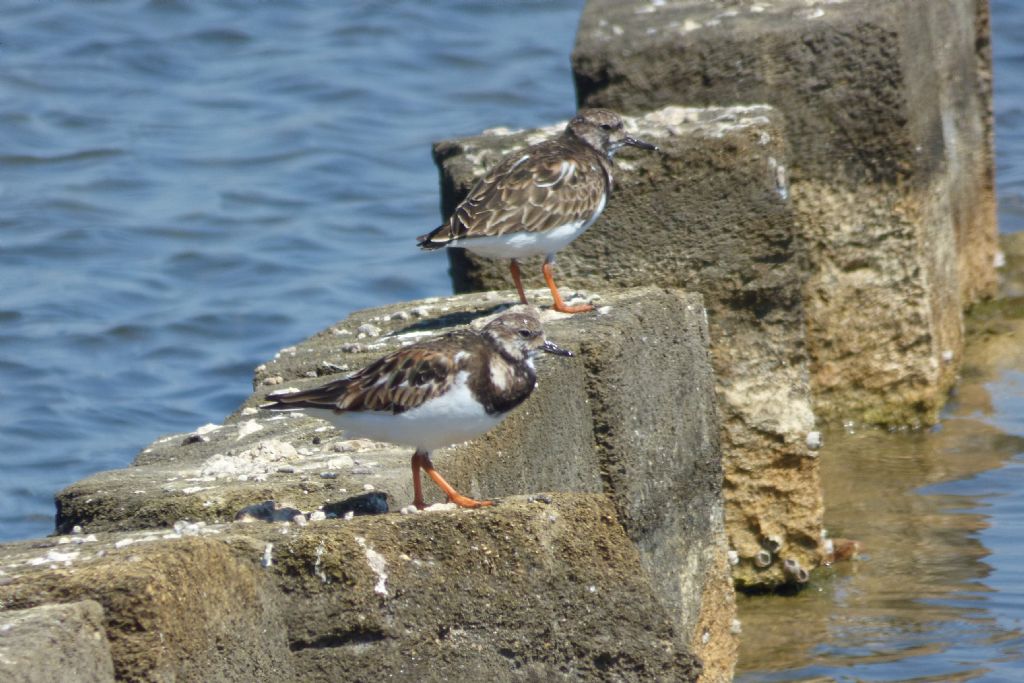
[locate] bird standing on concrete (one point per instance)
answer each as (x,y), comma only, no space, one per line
(539,200)
(433,393)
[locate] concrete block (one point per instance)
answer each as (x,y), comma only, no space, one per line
(529,590)
(65,642)
(174,607)
(891,165)
(632,415)
(710,213)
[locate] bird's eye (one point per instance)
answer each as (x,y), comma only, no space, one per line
(525,334)
(607,126)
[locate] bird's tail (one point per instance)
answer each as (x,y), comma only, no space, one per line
(273,401)
(434,239)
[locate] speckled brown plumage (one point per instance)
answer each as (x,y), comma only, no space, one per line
(538,200)
(433,393)
(409,377)
(531,195)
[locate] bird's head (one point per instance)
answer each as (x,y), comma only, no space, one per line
(520,335)
(603,130)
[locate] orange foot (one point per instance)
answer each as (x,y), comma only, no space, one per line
(559,304)
(562,308)
(464,502)
(421,461)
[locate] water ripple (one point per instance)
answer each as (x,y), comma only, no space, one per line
(33,159)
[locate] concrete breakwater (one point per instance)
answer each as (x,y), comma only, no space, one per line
(888,124)
(711,214)
(837,230)
(833,221)
(622,571)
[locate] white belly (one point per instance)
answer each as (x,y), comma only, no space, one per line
(450,419)
(524,244)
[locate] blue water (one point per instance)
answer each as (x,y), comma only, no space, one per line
(186,187)
(1008,103)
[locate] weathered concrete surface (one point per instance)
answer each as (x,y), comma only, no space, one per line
(55,643)
(525,591)
(995,330)
(1011,274)
(985,222)
(891,165)
(708,213)
(187,611)
(632,415)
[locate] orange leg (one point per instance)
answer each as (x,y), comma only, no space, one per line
(421,460)
(417,488)
(514,267)
(559,304)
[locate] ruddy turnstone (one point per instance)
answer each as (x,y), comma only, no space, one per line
(433,393)
(539,200)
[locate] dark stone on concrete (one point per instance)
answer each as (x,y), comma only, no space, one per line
(267,511)
(891,164)
(50,643)
(708,213)
(372,503)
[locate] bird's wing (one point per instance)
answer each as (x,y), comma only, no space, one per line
(395,383)
(542,187)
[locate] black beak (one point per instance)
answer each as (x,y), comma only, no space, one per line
(633,142)
(552,347)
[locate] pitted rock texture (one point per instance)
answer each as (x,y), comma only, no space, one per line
(888,114)
(710,213)
(631,416)
(63,642)
(526,591)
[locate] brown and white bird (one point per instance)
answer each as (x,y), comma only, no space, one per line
(434,393)
(538,200)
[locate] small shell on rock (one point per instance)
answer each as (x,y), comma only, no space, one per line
(268,557)
(792,569)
